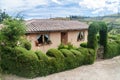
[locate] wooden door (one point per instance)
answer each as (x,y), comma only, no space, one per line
(64,37)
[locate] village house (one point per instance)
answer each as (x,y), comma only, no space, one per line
(46,33)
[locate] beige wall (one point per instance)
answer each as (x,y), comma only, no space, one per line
(55,37)
(72,37)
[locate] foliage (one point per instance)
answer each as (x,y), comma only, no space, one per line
(25,44)
(41,55)
(89,55)
(94,28)
(92,38)
(103,34)
(30,64)
(67,46)
(19,61)
(84,44)
(112,49)
(54,53)
(3,16)
(12,31)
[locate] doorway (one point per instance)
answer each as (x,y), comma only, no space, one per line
(64,37)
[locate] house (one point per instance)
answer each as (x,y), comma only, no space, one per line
(47,33)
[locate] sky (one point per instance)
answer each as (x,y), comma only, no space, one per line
(41,9)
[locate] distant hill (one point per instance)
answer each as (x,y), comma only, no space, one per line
(111,20)
(114,18)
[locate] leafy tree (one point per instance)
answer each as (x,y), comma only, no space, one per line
(11,32)
(3,15)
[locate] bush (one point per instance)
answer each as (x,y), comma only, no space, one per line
(79,57)
(69,58)
(55,53)
(83,45)
(25,44)
(58,62)
(20,61)
(30,64)
(67,46)
(89,55)
(94,28)
(112,49)
(42,56)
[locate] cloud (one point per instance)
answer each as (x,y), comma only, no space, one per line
(58,8)
(92,4)
(100,5)
(21,4)
(57,1)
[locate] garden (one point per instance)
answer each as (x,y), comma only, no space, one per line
(18,58)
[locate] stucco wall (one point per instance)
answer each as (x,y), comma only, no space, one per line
(72,37)
(55,37)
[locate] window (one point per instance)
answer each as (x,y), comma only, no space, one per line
(81,36)
(43,39)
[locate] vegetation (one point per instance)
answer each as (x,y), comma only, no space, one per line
(11,32)
(84,44)
(17,58)
(3,16)
(94,28)
(112,49)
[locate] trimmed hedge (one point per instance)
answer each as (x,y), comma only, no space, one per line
(30,64)
(20,61)
(89,55)
(41,55)
(54,53)
(112,49)
(84,44)
(94,28)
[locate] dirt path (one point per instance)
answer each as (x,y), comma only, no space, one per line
(100,70)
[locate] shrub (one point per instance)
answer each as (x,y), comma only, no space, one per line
(41,56)
(94,28)
(58,59)
(62,46)
(21,62)
(83,45)
(30,64)
(26,44)
(69,58)
(67,53)
(112,49)
(67,46)
(89,55)
(78,57)
(55,53)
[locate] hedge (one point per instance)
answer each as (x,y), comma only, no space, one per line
(84,44)
(20,61)
(27,63)
(112,49)
(93,29)
(89,55)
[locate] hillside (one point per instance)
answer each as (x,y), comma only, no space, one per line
(114,18)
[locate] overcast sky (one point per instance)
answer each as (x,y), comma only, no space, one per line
(59,8)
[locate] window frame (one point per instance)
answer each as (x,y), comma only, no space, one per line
(43,42)
(81,33)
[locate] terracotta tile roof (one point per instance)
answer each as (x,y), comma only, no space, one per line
(41,25)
